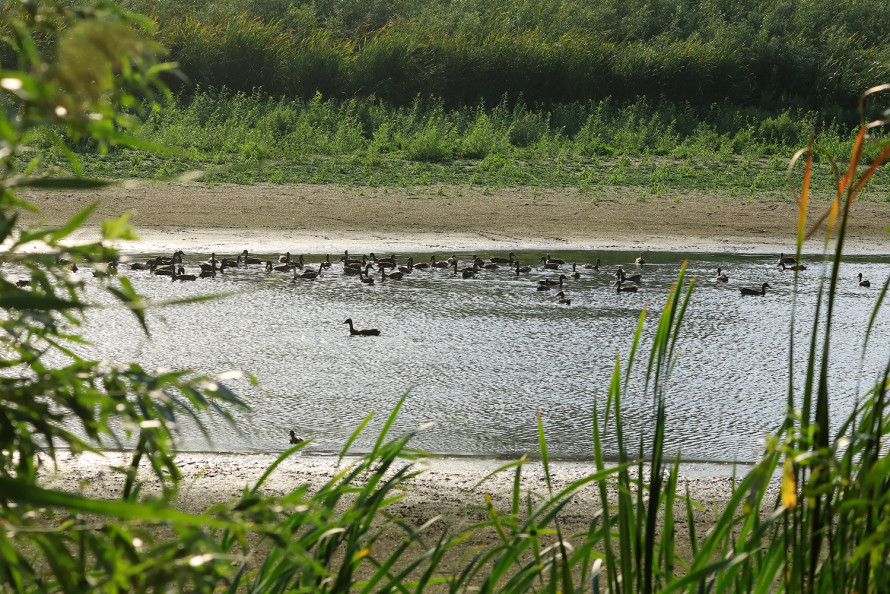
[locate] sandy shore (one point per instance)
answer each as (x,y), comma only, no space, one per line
(448,492)
(321,219)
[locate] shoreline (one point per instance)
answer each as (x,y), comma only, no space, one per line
(449,492)
(268,218)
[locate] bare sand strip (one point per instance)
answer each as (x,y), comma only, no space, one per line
(328,219)
(450,491)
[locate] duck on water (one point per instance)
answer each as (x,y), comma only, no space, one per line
(364,332)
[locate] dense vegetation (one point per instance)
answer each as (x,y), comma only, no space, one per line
(659,99)
(769,54)
(827,532)
(597,149)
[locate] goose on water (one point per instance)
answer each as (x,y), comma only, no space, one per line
(622,289)
(755,292)
(501,260)
(294,440)
(590,266)
(442,264)
(863,283)
(364,332)
(640,261)
(788,261)
(791,267)
(634,278)
(547,282)
(721,277)
(392,275)
(180,275)
(562,299)
(247,259)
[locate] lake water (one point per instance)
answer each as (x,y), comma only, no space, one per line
(480,356)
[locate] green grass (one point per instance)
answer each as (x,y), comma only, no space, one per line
(775,55)
(594,148)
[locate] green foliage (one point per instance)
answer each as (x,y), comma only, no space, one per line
(777,56)
(358,142)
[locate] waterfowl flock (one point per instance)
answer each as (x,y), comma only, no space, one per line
(389,268)
(560,274)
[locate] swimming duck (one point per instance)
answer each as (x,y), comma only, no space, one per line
(249,259)
(721,277)
(784,267)
(163,270)
(640,261)
(365,332)
(176,258)
(562,299)
(622,289)
(863,283)
(388,262)
(789,261)
(549,282)
(366,277)
(442,264)
(294,440)
(393,275)
(103,270)
(180,275)
(634,278)
(419,265)
(548,264)
(500,260)
(347,261)
(308,274)
(590,266)
(352,269)
(760,293)
(466,271)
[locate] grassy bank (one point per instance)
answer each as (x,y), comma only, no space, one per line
(594,147)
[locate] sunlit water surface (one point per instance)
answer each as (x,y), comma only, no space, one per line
(479,357)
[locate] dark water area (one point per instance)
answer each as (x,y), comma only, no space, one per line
(480,357)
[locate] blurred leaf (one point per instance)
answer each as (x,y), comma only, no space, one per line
(119,229)
(58,183)
(129,298)
(789,485)
(26,300)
